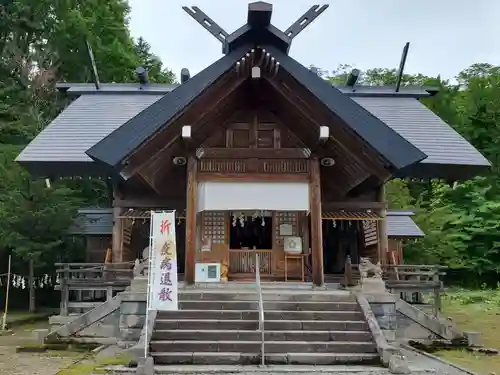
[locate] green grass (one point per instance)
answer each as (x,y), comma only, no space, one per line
(92,366)
(479,311)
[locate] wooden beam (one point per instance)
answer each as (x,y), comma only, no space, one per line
(117,236)
(316,223)
(263,177)
(191,208)
(170,204)
(335,206)
(259,153)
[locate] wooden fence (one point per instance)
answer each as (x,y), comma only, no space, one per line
(86,285)
(411,282)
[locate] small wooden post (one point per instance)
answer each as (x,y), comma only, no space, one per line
(191,210)
(4,322)
(31,281)
(64,290)
(316,222)
(437,293)
(383,241)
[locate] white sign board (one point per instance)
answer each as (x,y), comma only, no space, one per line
(162,279)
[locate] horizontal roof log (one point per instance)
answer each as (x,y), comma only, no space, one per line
(99,221)
(76,89)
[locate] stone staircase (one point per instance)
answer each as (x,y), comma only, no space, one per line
(301,327)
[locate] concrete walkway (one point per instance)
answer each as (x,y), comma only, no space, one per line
(421,364)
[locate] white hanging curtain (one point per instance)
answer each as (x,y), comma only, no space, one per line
(273,196)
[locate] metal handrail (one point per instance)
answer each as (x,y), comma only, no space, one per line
(261,308)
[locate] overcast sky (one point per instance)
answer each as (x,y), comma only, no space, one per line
(446,36)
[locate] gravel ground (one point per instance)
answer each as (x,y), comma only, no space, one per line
(12,363)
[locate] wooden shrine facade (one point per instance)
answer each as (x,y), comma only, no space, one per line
(255,137)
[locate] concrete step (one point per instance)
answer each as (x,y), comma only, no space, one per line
(231,358)
(236,324)
(218,305)
(277,325)
(254,335)
(234,295)
(269,306)
(315,325)
(253,315)
(240,346)
(283,369)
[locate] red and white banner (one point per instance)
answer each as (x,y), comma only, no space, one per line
(162,279)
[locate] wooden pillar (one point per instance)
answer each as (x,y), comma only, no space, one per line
(316,239)
(383,241)
(191,208)
(117,236)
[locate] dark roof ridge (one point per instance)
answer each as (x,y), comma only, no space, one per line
(75,89)
(113,149)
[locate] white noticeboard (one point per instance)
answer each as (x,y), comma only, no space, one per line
(162,278)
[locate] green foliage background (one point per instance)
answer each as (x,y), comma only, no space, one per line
(43,42)
(461,220)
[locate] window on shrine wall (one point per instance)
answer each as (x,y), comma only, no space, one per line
(265,138)
(240,138)
(253,138)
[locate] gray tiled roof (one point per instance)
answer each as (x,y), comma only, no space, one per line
(400,224)
(99,221)
(93,221)
(82,124)
(424,129)
(93,116)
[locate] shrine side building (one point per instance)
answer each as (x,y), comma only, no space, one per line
(256,153)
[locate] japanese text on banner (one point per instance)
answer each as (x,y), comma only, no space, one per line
(163,273)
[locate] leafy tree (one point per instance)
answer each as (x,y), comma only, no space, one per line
(42,42)
(152,63)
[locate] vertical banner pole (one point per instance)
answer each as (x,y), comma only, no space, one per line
(148,291)
(162,291)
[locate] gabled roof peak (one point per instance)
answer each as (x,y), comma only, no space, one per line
(258,30)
